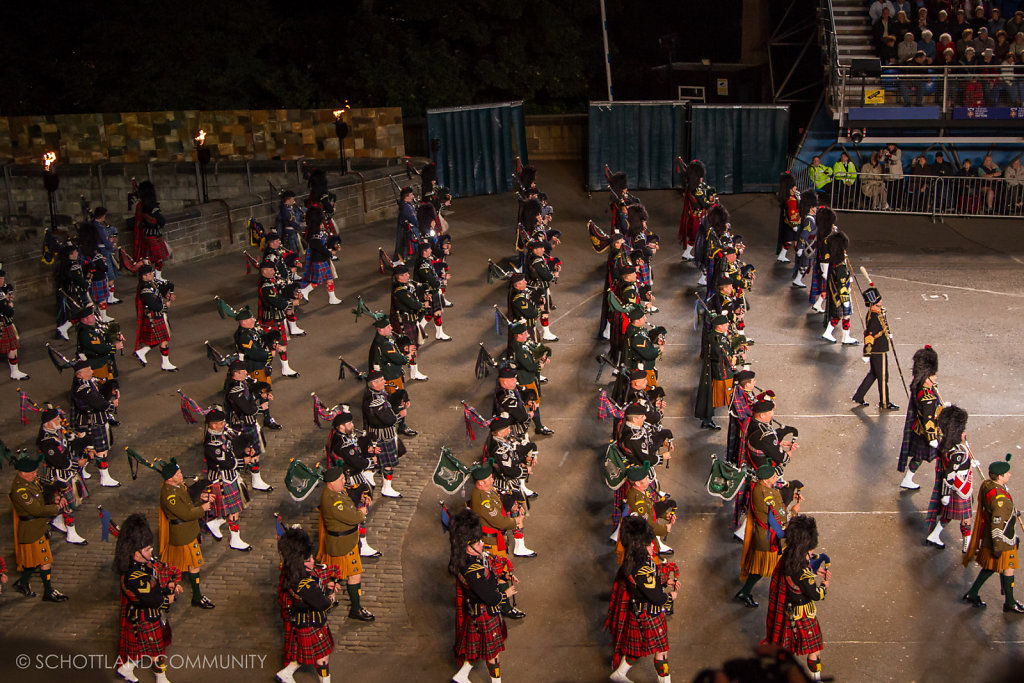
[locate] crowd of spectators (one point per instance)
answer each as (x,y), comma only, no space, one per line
(935,33)
(886,182)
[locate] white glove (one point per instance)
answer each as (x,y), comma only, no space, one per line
(947,404)
(799,252)
(944,500)
(866,359)
(975,463)
(934,443)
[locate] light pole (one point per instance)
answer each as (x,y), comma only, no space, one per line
(203,157)
(51,181)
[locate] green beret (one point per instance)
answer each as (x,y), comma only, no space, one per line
(482,471)
(765,472)
(332,474)
(170,469)
(999,467)
(636,473)
(719,320)
(636,313)
(244,314)
(518,328)
(381,322)
(27,463)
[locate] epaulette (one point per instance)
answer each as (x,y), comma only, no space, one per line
(377,401)
(305,583)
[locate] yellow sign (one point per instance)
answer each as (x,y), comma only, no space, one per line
(874,96)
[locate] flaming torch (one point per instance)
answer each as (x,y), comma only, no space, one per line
(202,159)
(51,182)
(341,130)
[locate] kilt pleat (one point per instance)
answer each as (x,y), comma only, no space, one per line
(307,644)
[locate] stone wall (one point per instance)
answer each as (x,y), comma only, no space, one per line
(560,136)
(231,135)
(207,230)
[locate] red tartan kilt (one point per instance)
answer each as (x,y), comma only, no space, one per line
(228,503)
(688,226)
(306,645)
(153,332)
(8,339)
(315,272)
(642,635)
(802,636)
(144,639)
(618,611)
(156,249)
(99,290)
(481,637)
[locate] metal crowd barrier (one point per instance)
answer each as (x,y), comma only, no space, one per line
(927,195)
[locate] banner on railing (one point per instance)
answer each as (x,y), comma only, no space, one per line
(988,113)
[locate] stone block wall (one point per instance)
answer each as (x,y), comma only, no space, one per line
(559,136)
(133,137)
(219,227)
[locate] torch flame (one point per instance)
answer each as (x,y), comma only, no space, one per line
(48,160)
(338,113)
(201,137)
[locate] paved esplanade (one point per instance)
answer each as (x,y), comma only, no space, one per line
(893,612)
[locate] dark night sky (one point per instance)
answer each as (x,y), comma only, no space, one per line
(188,54)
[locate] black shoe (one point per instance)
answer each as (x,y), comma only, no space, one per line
(933,544)
(976,601)
(745,598)
(361,614)
(271,423)
(533,494)
(56,596)
(543,380)
(891,406)
(114,423)
(514,613)
(203,603)
(860,402)
(544,431)
(24,589)
(406,431)
(1015,608)
(709,424)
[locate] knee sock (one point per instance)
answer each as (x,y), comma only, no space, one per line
(232,525)
(26,576)
(45,575)
(194,580)
(846,323)
(12,360)
(1007,585)
(661,667)
(437,320)
(353,596)
(330,285)
(834,321)
(323,670)
(160,664)
(814,665)
(536,418)
(69,520)
(388,473)
(749,585)
(978,582)
(283,354)
(165,351)
(494,670)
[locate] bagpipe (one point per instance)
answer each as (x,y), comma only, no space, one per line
(251,263)
(322,412)
(450,474)
(300,479)
(496,272)
(218,359)
(484,363)
(471,417)
(613,467)
(384,262)
(197,488)
(541,353)
(726,479)
(256,232)
(598,237)
(356,372)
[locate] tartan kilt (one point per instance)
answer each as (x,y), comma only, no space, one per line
(153,332)
(388,456)
(802,636)
(618,500)
(308,644)
(142,639)
(958,508)
(229,502)
(618,610)
(407,329)
(97,437)
(156,249)
(8,338)
(919,450)
(68,492)
(642,635)
(817,283)
(315,272)
(479,637)
(99,290)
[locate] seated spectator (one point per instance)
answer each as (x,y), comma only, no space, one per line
(1017,91)
(875,11)
(1015,25)
(974,95)
(960,24)
(989,171)
(906,49)
(1018,46)
(966,41)
(882,29)
(968,57)
(902,24)
(967,201)
(943,24)
(871,184)
(921,24)
(912,85)
(888,52)
(1002,46)
(927,46)
(944,188)
(1014,176)
(982,42)
(945,43)
(996,23)
(978,20)
(991,81)
(902,6)
(918,188)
